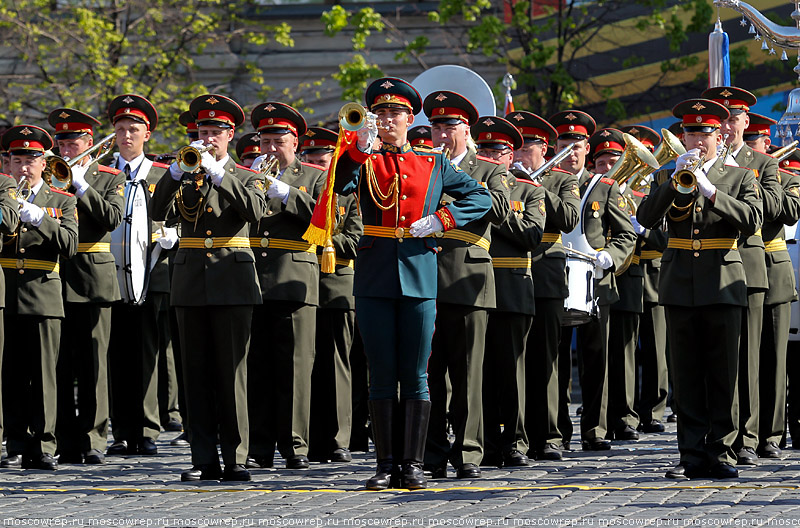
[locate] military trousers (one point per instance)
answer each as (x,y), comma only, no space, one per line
(331,389)
(280,363)
(793,392)
(176,354)
(541,373)
(359,381)
(133,366)
(168,406)
(29,384)
(749,354)
(214,345)
(652,357)
(772,373)
(2,344)
(504,378)
(83,361)
(564,419)
(593,375)
(704,360)
(622,339)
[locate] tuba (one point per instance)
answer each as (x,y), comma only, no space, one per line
(669,149)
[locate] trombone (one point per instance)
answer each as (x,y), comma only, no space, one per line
(58,171)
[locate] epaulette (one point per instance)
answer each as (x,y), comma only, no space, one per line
(557,169)
(160,165)
(313,166)
(484,158)
(110,170)
(245,168)
(529,181)
(10,176)
(59,191)
(424,149)
(608,181)
(639,194)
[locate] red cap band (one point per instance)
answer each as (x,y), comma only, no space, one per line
(790,164)
(449,113)
(572,129)
(277,122)
(494,137)
(701,120)
(214,115)
(536,133)
(132,112)
(73,127)
(389,98)
(24,144)
(421,141)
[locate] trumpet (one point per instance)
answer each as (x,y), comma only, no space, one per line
(686,180)
(24,190)
(353,117)
(785,151)
(539,173)
(58,171)
(444,150)
(189,157)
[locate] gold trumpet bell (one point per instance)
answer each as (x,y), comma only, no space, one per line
(352,116)
(634,158)
(57,173)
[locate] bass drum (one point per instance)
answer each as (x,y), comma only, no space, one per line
(792,244)
(454,78)
(581,306)
(130,244)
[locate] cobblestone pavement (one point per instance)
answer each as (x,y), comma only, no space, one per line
(624,486)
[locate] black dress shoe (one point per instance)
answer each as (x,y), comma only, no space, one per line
(236,472)
(596,444)
(672,418)
(626,433)
(550,452)
(412,476)
(341,455)
(147,447)
(202,472)
(182,440)
(468,471)
(655,426)
(258,462)
(382,477)
(173,425)
(746,457)
(118,448)
(435,472)
(45,462)
(686,470)
(11,462)
(723,470)
(297,462)
(70,457)
(93,456)
(769,450)
(515,458)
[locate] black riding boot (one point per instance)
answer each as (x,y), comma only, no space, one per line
(417,414)
(380,413)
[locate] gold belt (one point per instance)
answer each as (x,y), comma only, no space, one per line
(154,237)
(511,262)
(280,243)
(216,242)
(696,244)
(776,244)
(635,259)
(94,247)
(650,254)
(20,264)
(387,232)
(403,232)
(466,236)
(551,237)
(350,263)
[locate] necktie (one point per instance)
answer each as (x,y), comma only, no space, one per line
(127,171)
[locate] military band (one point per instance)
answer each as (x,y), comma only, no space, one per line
(450,266)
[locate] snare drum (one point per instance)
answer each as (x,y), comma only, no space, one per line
(581,306)
(130,244)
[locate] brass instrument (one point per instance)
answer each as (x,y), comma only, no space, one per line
(785,151)
(668,150)
(552,162)
(635,158)
(352,116)
(444,150)
(269,167)
(189,158)
(24,190)
(686,180)
(58,171)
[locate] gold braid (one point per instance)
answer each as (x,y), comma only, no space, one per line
(374,187)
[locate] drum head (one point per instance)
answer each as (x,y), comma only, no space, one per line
(130,244)
(458,79)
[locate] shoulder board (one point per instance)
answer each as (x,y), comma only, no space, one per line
(313,166)
(788,172)
(521,180)
(110,170)
(59,191)
(608,181)
(424,150)
(160,165)
(639,194)
(8,175)
(242,167)
(490,160)
(556,169)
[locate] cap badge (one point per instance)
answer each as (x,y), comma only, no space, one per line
(698,106)
(26,144)
(785,163)
(311,143)
(634,132)
(212,100)
(606,144)
(63,115)
(270,121)
(605,133)
(441,97)
(726,93)
(488,122)
(518,117)
(571,117)
(698,119)
(726,102)
(126,111)
(269,108)
(572,128)
(128,100)
(212,113)
(255,139)
(311,133)
(25,131)
(387,85)
(64,126)
(387,97)
(441,110)
(489,135)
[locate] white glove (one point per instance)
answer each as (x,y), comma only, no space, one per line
(169,239)
(637,227)
(604,260)
(425,226)
(368,133)
(32,214)
(79,179)
(214,169)
(687,160)
(277,189)
(175,171)
(257,162)
(706,188)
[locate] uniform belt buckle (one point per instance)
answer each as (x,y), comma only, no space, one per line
(399,232)
(20,263)
(208,243)
(264,242)
(696,244)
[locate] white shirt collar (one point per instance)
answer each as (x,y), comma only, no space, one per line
(35,190)
(736,152)
(458,159)
(135,163)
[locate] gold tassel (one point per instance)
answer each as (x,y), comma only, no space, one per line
(328,263)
